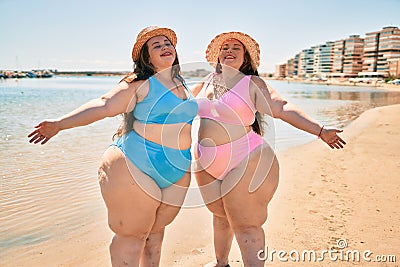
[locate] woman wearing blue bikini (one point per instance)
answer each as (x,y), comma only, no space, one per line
(145,173)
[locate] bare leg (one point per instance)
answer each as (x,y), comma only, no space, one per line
(247,211)
(125,250)
(223,236)
(172,198)
(131,211)
(152,250)
(251,240)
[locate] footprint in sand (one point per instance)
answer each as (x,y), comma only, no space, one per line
(197,251)
(345,212)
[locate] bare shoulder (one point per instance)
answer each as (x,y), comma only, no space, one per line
(137,84)
(124,89)
(258,81)
(133,86)
(139,88)
(258,85)
(262,85)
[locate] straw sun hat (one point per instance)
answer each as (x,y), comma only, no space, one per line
(249,43)
(148,33)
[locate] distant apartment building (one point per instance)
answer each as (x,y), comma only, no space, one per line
(371,48)
(394,67)
(338,56)
(280,70)
(296,65)
(389,49)
(353,55)
(323,60)
(347,57)
(378,52)
(306,63)
(290,68)
(382,51)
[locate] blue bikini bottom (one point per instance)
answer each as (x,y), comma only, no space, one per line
(164,165)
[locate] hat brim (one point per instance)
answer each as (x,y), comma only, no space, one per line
(170,34)
(249,43)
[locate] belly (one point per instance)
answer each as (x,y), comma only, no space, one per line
(176,136)
(212,133)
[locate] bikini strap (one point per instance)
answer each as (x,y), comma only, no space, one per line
(184,85)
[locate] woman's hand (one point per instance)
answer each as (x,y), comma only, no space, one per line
(330,137)
(44,131)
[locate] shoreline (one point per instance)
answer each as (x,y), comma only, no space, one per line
(341,194)
(385,86)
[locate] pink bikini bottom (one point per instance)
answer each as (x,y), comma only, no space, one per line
(221,159)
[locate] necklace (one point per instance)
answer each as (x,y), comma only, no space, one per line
(219,85)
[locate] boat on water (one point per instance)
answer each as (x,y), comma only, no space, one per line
(26,74)
(43,73)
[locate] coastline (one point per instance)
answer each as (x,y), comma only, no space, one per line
(323,196)
(193,74)
(385,86)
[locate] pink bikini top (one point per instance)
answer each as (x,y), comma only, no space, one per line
(233,107)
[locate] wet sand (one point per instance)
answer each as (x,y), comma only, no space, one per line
(324,196)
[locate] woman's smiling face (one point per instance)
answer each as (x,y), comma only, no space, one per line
(232,53)
(161,52)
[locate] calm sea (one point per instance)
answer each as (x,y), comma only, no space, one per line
(48,191)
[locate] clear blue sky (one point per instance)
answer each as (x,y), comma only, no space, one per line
(98,34)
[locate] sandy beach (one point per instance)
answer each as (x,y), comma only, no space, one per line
(328,195)
(324,196)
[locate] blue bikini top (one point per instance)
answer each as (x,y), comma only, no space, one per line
(161,106)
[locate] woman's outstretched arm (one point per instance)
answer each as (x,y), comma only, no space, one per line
(268,101)
(115,102)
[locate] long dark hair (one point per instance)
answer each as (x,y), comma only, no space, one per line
(143,69)
(247,69)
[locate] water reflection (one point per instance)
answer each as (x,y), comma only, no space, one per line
(333,106)
(357,103)
(380,98)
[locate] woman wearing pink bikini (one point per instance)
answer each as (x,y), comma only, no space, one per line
(237,171)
